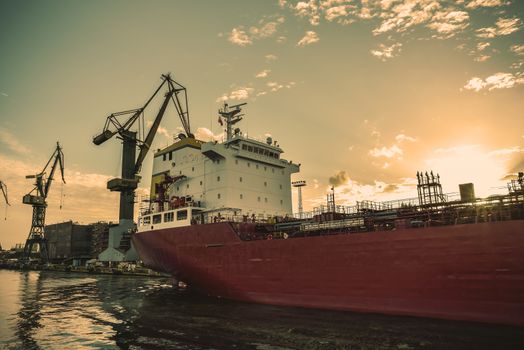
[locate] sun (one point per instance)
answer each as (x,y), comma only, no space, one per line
(470,163)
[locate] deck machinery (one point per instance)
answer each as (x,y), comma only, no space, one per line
(119,246)
(37,198)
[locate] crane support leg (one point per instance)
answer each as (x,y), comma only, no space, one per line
(36,235)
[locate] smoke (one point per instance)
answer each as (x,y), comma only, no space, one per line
(340,178)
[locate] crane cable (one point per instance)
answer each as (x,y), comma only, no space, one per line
(61,195)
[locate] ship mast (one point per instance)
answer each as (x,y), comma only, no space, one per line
(231,116)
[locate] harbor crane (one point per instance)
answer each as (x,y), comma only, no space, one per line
(131,164)
(3,186)
(38,201)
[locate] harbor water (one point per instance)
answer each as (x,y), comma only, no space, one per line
(58,310)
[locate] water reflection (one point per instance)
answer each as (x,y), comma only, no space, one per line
(50,310)
(29,315)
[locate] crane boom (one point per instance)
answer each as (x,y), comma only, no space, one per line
(144,147)
(3,186)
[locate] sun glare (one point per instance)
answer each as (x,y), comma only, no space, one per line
(469,163)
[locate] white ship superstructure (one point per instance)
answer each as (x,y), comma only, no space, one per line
(240,177)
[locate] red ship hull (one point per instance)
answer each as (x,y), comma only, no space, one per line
(472,272)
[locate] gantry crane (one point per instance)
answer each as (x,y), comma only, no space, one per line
(38,201)
(3,186)
(128,183)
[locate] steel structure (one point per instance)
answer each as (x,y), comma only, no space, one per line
(3,187)
(38,201)
(299,185)
(131,167)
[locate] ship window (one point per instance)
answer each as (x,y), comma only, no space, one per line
(271,154)
(250,149)
(200,183)
(240,178)
(181,214)
(244,147)
(218,178)
(248,164)
(281,201)
(146,220)
(178,188)
(266,152)
(258,199)
(265,183)
(187,186)
(265,199)
(257,166)
(236,161)
(218,161)
(241,196)
(192,168)
(218,196)
(164,157)
(168,217)
(273,170)
(170,155)
(157,219)
(265,168)
(280,186)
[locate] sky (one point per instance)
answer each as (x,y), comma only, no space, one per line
(363,94)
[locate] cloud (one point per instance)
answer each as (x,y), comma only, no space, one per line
(163,131)
(274,86)
(309,38)
(271,57)
(449,23)
(263,74)
(239,37)
(495,81)
(386,52)
(267,28)
(506,151)
(336,12)
(242,93)
(339,178)
(402,137)
(503,26)
(308,10)
(387,152)
(281,39)
(517,49)
(4,94)
(10,140)
(204,134)
(349,190)
(485,3)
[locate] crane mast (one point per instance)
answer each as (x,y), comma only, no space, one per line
(37,198)
(131,163)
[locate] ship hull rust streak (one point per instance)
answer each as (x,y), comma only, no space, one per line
(472,272)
